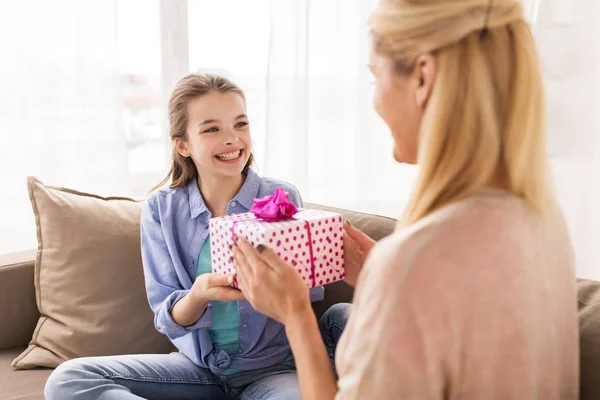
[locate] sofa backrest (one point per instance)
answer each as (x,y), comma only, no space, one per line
(18,311)
(589,338)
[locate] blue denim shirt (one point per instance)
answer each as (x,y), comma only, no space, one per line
(174,227)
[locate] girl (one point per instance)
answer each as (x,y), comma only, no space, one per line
(227,350)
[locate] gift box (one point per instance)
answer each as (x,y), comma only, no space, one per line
(312,241)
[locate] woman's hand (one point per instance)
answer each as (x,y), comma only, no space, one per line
(211,286)
(357,246)
(271,285)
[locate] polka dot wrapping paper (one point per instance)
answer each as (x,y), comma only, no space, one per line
(311,242)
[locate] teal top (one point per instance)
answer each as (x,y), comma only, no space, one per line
(224,333)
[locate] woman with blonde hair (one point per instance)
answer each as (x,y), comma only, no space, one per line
(473,296)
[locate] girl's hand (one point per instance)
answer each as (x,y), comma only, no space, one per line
(211,286)
(271,285)
(206,287)
(357,247)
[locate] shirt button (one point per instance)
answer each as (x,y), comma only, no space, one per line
(233,204)
(244,326)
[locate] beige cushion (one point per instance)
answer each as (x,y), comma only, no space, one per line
(589,332)
(374,226)
(88,279)
(18,311)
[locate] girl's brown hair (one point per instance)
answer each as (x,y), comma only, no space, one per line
(191,86)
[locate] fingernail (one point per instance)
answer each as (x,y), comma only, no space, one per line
(260,248)
(349,223)
(230,259)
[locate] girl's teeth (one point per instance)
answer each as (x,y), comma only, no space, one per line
(229,156)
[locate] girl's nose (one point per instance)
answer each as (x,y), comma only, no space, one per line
(231,137)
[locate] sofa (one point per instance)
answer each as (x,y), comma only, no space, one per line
(19,315)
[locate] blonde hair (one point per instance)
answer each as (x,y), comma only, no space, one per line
(486,112)
(191,86)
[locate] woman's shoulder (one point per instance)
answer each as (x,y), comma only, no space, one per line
(457,238)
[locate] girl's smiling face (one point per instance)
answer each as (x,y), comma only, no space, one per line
(217,135)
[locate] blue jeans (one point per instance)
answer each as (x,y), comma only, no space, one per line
(331,325)
(174,376)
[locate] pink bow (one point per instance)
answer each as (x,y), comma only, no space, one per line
(275,207)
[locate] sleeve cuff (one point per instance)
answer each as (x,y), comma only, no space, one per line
(317,294)
(166,325)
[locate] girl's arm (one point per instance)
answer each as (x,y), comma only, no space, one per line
(207,287)
(163,288)
(177,311)
(188,310)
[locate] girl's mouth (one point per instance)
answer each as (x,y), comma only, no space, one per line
(230,157)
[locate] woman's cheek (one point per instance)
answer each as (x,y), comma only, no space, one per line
(381,104)
(377,101)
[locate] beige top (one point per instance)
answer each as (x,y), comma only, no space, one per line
(476,301)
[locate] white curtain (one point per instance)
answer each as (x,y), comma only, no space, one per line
(60,108)
(322,134)
(569,42)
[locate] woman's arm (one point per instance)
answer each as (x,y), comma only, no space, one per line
(398,333)
(317,380)
(276,290)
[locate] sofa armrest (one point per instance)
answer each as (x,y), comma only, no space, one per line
(18,309)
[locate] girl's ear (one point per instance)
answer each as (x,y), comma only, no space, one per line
(181,147)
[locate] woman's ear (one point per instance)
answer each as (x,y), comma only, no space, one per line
(181,147)
(425,70)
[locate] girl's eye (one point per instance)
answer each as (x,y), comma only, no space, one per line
(213,129)
(241,124)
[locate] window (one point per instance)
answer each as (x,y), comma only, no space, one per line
(85,107)
(231,38)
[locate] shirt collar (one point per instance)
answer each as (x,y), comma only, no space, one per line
(197,205)
(245,196)
(249,189)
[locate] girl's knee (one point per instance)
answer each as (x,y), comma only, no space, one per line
(336,315)
(62,382)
